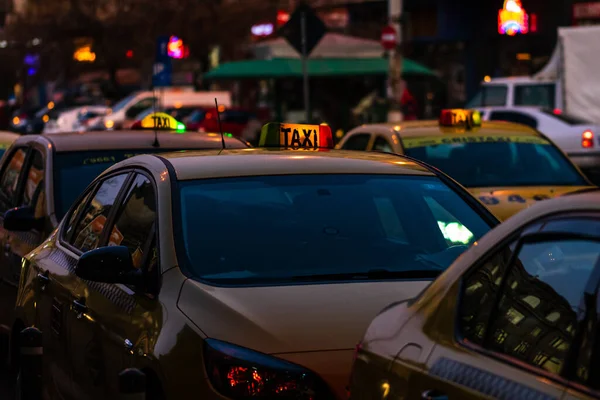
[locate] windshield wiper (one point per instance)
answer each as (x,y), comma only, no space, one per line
(373,274)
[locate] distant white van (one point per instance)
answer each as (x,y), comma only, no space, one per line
(128,108)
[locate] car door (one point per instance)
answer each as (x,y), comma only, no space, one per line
(134,227)
(30,194)
(53,298)
(11,181)
(85,346)
(519,317)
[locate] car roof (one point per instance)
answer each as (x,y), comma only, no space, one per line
(123,140)
(8,137)
(432,127)
(259,161)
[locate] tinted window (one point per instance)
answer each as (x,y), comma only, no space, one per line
(489,96)
(357,142)
(91,224)
(382,144)
(536,318)
(196,116)
(236,117)
(71,226)
(139,107)
(10,176)
(567,118)
(33,194)
(515,117)
(74,171)
(535,95)
(135,221)
(527,161)
(322,224)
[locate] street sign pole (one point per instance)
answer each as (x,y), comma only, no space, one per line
(395,86)
(305,69)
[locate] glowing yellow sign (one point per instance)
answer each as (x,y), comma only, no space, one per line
(512,19)
(161,121)
(84,54)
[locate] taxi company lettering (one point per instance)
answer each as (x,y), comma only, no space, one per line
(161,122)
(292,138)
(515,198)
(476,139)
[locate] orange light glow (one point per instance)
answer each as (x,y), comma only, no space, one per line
(587,139)
(512,19)
(588,135)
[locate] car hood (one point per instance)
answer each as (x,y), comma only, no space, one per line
(504,202)
(294,318)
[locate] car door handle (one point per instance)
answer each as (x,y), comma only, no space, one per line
(43,278)
(433,395)
(79,306)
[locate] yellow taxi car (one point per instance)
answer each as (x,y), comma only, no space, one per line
(231,274)
(515,317)
(42,175)
(507,166)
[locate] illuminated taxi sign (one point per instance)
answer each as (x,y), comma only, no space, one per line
(160,121)
(296,136)
(458,118)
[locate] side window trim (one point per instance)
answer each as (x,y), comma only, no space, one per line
(25,172)
(378,136)
(14,202)
(110,220)
(520,239)
(66,240)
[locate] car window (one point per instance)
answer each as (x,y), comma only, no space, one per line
(139,107)
(488,161)
(535,95)
(359,141)
(515,117)
(33,194)
(10,177)
(134,225)
(566,118)
(537,315)
(236,117)
(91,224)
(75,211)
(74,171)
(382,144)
(489,96)
(331,224)
(535,319)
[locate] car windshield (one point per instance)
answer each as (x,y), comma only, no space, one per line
(277,229)
(487,162)
(196,116)
(145,113)
(123,102)
(489,95)
(74,171)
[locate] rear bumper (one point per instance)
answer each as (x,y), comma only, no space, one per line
(586,160)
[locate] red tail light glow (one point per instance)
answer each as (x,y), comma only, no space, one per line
(557,111)
(587,139)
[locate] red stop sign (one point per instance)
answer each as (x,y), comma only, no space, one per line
(389,37)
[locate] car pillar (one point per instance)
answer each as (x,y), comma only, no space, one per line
(132,384)
(31,364)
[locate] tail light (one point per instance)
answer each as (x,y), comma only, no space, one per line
(557,111)
(587,139)
(136,125)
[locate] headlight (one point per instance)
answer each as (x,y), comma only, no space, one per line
(240,373)
(109,124)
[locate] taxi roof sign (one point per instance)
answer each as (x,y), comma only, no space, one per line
(459,118)
(159,121)
(296,136)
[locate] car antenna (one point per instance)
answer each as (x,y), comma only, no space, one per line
(156,142)
(220,127)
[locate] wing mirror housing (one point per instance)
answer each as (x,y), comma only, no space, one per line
(112,264)
(22,219)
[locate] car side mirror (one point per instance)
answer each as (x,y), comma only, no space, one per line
(22,219)
(111,264)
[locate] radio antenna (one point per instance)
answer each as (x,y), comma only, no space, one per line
(220,127)
(156,143)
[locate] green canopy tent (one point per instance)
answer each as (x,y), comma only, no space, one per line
(318,67)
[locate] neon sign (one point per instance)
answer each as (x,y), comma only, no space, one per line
(512,19)
(176,48)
